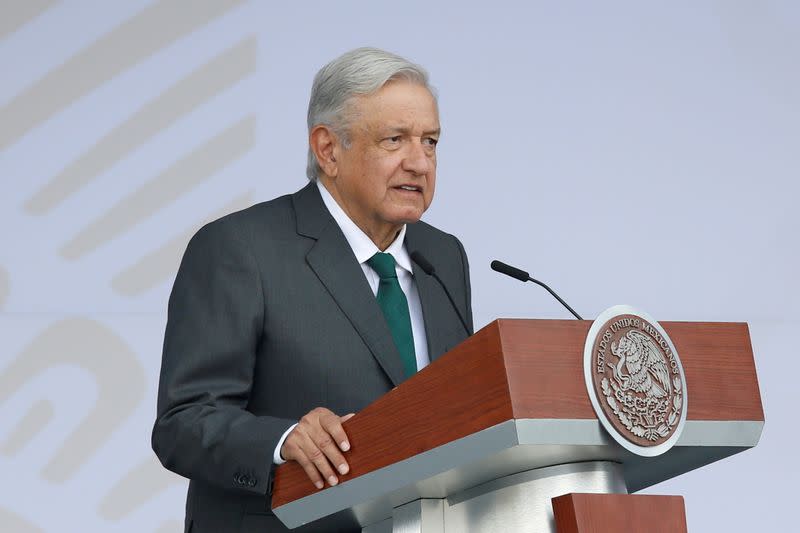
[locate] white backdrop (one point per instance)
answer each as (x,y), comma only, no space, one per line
(624,152)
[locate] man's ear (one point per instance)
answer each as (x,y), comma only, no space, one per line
(324,144)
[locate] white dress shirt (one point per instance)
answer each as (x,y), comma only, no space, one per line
(363,248)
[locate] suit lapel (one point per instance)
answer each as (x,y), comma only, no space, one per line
(335,265)
(431,296)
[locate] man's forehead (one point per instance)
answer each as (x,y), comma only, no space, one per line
(410,112)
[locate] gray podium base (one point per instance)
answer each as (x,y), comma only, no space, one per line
(516,503)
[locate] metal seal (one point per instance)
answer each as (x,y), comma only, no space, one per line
(635,380)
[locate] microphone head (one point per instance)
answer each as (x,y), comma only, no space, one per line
(423,263)
(508,270)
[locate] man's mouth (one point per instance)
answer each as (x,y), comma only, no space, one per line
(410,188)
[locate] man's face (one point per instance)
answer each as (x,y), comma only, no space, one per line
(387,176)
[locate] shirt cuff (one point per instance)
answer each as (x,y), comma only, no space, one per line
(276,456)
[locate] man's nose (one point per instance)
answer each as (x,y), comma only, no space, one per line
(417,160)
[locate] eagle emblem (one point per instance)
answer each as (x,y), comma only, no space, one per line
(635,380)
(645,364)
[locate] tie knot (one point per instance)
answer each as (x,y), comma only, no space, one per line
(383,264)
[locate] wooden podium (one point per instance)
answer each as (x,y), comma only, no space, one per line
(484,438)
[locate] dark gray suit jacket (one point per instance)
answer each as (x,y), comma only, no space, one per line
(271,316)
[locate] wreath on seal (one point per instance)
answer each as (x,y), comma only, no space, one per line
(634,410)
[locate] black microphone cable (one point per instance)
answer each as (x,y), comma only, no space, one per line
(427,267)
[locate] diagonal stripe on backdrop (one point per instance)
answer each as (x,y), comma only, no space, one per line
(37,417)
(162,263)
(199,165)
(11,521)
(16,14)
(141,484)
(163,23)
(192,91)
(118,374)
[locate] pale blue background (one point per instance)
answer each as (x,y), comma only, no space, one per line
(625,152)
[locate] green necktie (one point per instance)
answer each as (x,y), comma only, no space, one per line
(394,305)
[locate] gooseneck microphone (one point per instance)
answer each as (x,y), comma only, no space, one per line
(508,270)
(427,267)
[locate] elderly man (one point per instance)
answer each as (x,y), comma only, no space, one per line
(288,317)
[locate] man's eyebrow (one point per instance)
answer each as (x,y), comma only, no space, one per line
(405,131)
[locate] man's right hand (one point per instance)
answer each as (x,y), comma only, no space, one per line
(317,443)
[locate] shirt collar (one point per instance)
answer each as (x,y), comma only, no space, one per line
(362,245)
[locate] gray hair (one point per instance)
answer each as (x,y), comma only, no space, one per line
(360,72)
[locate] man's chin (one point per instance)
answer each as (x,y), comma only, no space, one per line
(407,214)
(409,217)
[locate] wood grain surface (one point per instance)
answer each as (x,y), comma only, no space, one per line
(619,513)
(544,360)
(515,368)
(461,393)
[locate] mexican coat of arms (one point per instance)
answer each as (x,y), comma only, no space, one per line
(635,380)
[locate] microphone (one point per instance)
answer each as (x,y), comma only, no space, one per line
(516,273)
(426,267)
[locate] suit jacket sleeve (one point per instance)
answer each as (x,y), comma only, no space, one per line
(203,429)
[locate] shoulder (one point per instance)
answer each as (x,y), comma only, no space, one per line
(273,216)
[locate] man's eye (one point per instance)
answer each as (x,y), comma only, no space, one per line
(430,141)
(395,139)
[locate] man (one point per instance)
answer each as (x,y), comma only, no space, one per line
(289,316)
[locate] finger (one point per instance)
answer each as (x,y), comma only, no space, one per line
(320,461)
(291,451)
(325,442)
(311,471)
(333,426)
